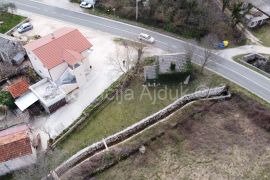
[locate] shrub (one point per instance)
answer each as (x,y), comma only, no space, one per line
(188,67)
(172,67)
(7,99)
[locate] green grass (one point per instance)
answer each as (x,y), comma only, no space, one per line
(175,152)
(10,20)
(120,113)
(6,177)
(262,33)
(239,59)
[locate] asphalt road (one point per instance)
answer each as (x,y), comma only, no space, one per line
(235,72)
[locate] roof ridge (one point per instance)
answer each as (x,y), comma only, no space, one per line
(74,29)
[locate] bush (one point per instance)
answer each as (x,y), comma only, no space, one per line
(188,67)
(6,99)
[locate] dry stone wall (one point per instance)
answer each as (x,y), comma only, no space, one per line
(218,92)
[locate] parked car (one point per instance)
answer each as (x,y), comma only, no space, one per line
(25,27)
(146,38)
(85,5)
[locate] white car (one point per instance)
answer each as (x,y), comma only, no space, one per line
(85,5)
(25,27)
(146,38)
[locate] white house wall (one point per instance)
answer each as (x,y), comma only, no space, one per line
(38,66)
(86,62)
(15,164)
(80,75)
(57,71)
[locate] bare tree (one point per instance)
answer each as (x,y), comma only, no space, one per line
(208,42)
(47,131)
(124,59)
(189,51)
(119,61)
(4,7)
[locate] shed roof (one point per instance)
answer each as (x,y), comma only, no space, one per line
(18,88)
(51,48)
(14,143)
(26,100)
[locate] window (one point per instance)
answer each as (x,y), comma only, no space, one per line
(76,65)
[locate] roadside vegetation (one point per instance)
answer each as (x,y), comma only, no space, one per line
(7,19)
(188,18)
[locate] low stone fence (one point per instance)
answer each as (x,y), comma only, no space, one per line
(213,93)
(101,101)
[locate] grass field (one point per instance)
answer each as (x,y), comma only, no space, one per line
(207,140)
(9,21)
(122,113)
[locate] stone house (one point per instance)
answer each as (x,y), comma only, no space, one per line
(166,67)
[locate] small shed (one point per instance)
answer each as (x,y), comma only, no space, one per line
(18,59)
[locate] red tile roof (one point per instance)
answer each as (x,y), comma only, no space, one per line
(14,143)
(72,57)
(50,49)
(18,88)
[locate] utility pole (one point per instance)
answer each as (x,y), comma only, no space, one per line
(137,8)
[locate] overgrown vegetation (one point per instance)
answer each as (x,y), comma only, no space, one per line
(187,18)
(6,99)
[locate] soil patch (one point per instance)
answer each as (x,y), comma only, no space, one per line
(210,140)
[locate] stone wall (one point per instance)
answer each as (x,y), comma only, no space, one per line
(141,125)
